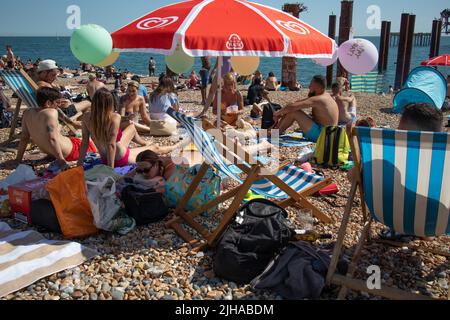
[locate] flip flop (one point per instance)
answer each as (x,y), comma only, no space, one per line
(391,235)
(252,196)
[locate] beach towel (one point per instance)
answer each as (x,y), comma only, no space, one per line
(26,257)
(294,140)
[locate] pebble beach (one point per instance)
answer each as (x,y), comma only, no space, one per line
(153,263)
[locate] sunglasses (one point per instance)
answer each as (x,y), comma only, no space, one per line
(143,171)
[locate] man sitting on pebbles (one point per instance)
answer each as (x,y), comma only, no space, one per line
(325,111)
(42,126)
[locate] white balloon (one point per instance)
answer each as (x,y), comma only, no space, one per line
(358,56)
(325,62)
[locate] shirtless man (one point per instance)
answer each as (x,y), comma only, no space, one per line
(347,105)
(131,105)
(42,126)
(325,111)
(93,85)
(47,73)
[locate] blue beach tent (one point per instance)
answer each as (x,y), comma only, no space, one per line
(424,85)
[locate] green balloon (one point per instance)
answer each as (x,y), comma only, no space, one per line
(91,44)
(180,62)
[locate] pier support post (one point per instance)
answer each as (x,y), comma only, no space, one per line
(384,46)
(332,35)
(402,48)
(289,66)
(345,26)
(435,38)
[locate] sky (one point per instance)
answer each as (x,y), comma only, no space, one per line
(48,17)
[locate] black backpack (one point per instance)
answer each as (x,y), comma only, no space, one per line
(261,230)
(145,206)
(268,113)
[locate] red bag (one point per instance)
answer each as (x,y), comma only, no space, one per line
(69,197)
(329,190)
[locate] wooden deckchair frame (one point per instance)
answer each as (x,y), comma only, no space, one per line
(253,174)
(348,281)
(62,117)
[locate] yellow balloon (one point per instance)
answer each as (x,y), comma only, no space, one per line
(245,66)
(110,60)
(180,61)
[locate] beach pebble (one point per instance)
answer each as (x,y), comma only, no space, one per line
(177,291)
(117,293)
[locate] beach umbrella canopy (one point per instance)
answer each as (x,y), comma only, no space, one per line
(223,28)
(443,60)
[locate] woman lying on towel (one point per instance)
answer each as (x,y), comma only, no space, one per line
(103,125)
(153,170)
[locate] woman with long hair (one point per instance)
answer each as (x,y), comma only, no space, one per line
(104,126)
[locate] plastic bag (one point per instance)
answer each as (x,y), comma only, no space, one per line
(21,174)
(106,207)
(69,197)
(101,172)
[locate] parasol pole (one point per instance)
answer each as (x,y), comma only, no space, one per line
(219,92)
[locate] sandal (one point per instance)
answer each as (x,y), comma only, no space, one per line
(391,235)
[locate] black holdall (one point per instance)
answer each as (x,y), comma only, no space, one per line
(261,230)
(43,214)
(145,206)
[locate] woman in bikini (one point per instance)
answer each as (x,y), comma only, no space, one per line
(232,101)
(104,126)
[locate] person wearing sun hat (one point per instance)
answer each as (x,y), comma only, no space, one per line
(47,74)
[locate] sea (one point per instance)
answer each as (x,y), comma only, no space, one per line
(58,49)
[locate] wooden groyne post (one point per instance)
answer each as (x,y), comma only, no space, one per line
(289,66)
(404,49)
(435,38)
(384,46)
(345,26)
(332,35)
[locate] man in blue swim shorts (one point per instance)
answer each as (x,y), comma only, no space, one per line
(325,111)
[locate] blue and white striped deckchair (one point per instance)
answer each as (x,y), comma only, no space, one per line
(290,182)
(25,88)
(405,184)
(17,82)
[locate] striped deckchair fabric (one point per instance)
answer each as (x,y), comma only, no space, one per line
(406,179)
(26,257)
(17,83)
(372,82)
(293,176)
(403,178)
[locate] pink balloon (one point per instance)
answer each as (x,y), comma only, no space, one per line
(358,56)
